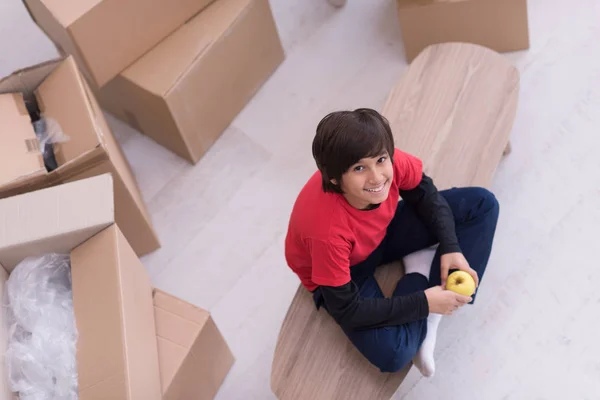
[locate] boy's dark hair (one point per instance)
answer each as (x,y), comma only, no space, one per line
(345,137)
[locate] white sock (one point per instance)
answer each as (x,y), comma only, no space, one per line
(424,360)
(419,261)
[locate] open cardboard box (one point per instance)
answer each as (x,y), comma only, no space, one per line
(186,91)
(193,355)
(117,356)
(105,36)
(58,91)
(17,137)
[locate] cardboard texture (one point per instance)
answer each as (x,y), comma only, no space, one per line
(63,95)
(193,355)
(501,25)
(117,353)
(18,137)
(105,36)
(187,90)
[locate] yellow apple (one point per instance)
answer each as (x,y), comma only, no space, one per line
(461,282)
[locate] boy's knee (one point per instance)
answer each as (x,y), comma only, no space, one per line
(490,205)
(397,362)
(488,199)
(483,203)
(394,360)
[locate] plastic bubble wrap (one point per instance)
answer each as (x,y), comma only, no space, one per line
(48,132)
(42,335)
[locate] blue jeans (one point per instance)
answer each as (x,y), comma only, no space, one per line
(476,212)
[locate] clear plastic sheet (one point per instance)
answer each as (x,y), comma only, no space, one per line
(42,335)
(48,132)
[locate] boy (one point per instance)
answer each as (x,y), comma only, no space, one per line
(348,220)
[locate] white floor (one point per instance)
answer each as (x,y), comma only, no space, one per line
(534,333)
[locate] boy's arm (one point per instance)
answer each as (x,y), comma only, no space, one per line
(352,311)
(435,212)
(331,271)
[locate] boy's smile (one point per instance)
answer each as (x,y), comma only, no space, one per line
(368,181)
(377,189)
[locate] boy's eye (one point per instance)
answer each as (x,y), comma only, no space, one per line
(381,159)
(359,168)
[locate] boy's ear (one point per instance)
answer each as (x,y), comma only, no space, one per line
(334,181)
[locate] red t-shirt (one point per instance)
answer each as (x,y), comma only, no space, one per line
(326,235)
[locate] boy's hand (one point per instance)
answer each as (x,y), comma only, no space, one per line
(456,261)
(444,302)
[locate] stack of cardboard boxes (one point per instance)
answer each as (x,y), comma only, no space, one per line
(57,91)
(179,71)
(133,342)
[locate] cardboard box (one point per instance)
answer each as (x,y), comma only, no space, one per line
(193,355)
(188,89)
(17,137)
(105,36)
(63,95)
(117,356)
(500,25)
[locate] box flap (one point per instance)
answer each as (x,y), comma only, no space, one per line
(189,369)
(67,11)
(178,326)
(19,148)
(180,308)
(28,79)
(171,357)
(211,358)
(62,97)
(117,354)
(159,69)
(175,328)
(56,219)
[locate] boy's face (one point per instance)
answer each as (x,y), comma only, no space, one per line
(368,181)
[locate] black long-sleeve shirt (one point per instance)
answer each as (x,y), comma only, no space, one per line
(353,311)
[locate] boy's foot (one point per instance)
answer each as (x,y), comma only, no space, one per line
(420,261)
(424,360)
